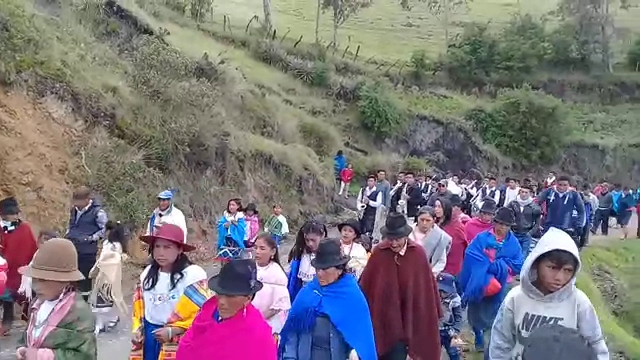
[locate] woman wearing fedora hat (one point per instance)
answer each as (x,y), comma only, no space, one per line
(330,319)
(61,324)
(402,294)
(491,262)
(168,297)
(358,256)
(229,327)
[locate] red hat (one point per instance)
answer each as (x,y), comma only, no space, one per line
(171,233)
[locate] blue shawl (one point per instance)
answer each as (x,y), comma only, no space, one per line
(154,215)
(346,307)
(477,268)
(293,283)
(237,232)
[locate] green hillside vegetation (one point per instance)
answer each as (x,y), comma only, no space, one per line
(609,278)
(219,108)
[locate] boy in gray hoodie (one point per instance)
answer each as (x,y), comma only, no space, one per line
(547,295)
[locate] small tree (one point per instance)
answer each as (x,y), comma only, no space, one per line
(342,10)
(199,9)
(633,56)
(268,21)
(442,10)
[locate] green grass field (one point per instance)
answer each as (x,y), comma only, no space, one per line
(610,278)
(387,31)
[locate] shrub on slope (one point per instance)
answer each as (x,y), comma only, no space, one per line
(170,120)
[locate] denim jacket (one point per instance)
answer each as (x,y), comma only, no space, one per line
(298,346)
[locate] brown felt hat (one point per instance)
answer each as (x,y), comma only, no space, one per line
(55,260)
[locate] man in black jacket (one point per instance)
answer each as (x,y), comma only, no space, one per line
(528,216)
(413,196)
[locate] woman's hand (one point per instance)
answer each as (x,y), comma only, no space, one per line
(31,354)
(227,224)
(21,353)
(137,338)
(163,335)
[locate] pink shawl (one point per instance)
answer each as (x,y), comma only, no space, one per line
(253,227)
(244,336)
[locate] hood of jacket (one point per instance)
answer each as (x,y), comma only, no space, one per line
(554,239)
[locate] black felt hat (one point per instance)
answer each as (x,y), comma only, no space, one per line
(395,227)
(237,277)
(555,342)
(9,206)
(329,254)
(352,223)
(505,216)
(489,206)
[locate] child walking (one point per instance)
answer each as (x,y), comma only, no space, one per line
(346,175)
(61,324)
(252,218)
(107,272)
(277,225)
(547,295)
(451,322)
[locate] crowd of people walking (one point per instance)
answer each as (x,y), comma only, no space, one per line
(423,255)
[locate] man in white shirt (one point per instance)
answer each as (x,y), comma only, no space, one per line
(166,213)
(490,190)
(511,192)
(368,201)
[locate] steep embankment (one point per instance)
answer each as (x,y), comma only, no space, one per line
(36,161)
(154,117)
(609,278)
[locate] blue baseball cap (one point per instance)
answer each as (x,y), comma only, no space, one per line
(446,283)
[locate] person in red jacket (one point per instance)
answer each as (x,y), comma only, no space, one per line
(346,175)
(17,246)
(454,228)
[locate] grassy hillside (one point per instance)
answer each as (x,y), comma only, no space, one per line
(389,32)
(160,117)
(609,278)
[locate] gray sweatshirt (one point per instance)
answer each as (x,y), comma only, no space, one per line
(436,244)
(525,308)
(605,201)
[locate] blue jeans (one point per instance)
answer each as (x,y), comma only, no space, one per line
(276,238)
(525,243)
(479,338)
(445,341)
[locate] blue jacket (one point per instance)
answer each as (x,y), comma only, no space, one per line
(564,211)
(339,163)
(298,346)
(626,202)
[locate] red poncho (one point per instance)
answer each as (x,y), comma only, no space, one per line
(459,243)
(404,300)
(17,248)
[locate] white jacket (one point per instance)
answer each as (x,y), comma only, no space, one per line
(173,215)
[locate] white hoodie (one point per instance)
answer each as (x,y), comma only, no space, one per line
(525,308)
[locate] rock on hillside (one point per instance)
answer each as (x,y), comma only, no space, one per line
(452,147)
